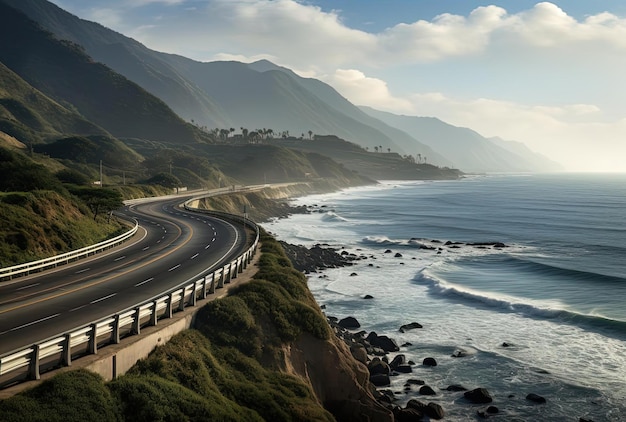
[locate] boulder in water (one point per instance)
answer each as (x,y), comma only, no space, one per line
(349,323)
(478,395)
(536,398)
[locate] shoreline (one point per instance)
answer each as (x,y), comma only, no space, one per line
(476,411)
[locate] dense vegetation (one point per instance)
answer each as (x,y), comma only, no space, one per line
(226,369)
(41,216)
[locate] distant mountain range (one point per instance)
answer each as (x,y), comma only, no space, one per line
(466,148)
(157,87)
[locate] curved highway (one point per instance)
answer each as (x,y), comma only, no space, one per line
(172,246)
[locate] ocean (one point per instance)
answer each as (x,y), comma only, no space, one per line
(525,275)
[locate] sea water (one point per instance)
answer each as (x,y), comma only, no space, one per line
(543,314)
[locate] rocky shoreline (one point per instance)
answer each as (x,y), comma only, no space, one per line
(384,360)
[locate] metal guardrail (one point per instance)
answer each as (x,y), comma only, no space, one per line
(61,349)
(54,261)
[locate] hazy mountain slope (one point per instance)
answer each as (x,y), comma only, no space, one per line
(65,73)
(466,148)
(522,150)
(275,100)
(145,67)
(327,94)
(31,117)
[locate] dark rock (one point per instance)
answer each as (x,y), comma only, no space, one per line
(429,362)
(536,398)
(404,369)
(398,255)
(380,380)
(407,344)
(435,411)
(368,297)
(456,387)
(417,405)
(584,420)
(397,360)
(388,251)
(411,363)
(353,274)
(492,410)
(505,344)
(310,260)
(377,366)
(384,342)
(411,326)
(408,415)
(413,381)
(478,395)
(425,390)
(349,323)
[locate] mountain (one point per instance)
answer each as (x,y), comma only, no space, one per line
(149,69)
(28,115)
(405,143)
(467,149)
(227,94)
(63,72)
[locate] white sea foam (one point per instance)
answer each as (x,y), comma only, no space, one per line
(550,351)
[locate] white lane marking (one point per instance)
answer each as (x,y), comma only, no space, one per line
(34,322)
(76,309)
(213,240)
(103,298)
(173,268)
(195,256)
(82,271)
(144,282)
(146,248)
(120,258)
(28,287)
(207,246)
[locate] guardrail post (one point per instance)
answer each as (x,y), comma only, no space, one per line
(203,295)
(228,275)
(33,366)
(66,355)
(212,285)
(153,315)
(193,299)
(93,340)
(137,321)
(181,304)
(170,308)
(220,282)
(115,333)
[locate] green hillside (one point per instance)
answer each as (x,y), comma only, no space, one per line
(30,116)
(62,71)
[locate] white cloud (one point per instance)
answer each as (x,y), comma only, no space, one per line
(363,90)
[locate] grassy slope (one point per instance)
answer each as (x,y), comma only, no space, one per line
(65,73)
(223,371)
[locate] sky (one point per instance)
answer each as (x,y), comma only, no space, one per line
(549,74)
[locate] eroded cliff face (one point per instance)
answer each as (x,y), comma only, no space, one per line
(340,383)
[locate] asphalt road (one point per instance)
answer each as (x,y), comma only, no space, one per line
(172,247)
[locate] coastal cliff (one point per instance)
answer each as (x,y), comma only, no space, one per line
(264,352)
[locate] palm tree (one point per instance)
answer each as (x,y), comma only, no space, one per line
(376,149)
(310,134)
(388,149)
